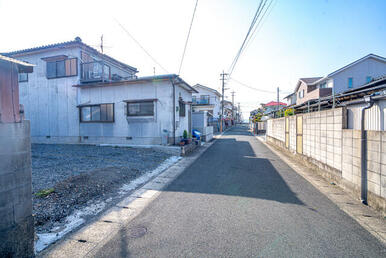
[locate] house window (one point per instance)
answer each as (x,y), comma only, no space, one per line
(301,94)
(141,108)
(23,77)
(368,79)
(323,85)
(350,82)
(62,68)
(97,113)
(181,105)
(194,99)
(204,99)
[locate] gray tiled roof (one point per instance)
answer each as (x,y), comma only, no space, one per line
(75,42)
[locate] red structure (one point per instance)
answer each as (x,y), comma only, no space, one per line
(9,88)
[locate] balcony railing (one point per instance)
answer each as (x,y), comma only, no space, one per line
(95,72)
(201,101)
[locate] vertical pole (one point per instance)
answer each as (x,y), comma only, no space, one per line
(333,97)
(233,105)
(222,102)
(278,98)
(319,104)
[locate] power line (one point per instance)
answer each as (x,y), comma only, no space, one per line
(257,28)
(251,27)
(250,87)
(187,38)
(147,53)
(256,89)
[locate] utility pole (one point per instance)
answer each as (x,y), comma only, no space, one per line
(233,104)
(278,98)
(222,97)
(238,112)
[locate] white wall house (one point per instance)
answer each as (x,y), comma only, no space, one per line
(207,99)
(77,94)
(135,111)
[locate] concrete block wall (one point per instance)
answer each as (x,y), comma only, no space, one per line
(292,133)
(322,135)
(376,160)
(16,222)
(332,148)
(276,128)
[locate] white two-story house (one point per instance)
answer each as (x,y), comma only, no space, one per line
(79,95)
(207,99)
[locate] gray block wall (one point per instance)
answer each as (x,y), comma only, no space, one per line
(331,147)
(16,221)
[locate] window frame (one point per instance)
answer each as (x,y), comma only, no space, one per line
(301,94)
(205,97)
(18,78)
(181,111)
(348,82)
(56,69)
(194,99)
(139,102)
(100,108)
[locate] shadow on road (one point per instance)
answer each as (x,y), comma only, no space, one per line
(231,167)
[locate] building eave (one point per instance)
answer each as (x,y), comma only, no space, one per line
(69,44)
(376,57)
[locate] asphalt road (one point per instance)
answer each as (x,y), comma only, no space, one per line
(240,200)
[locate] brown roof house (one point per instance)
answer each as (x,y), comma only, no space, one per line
(308,88)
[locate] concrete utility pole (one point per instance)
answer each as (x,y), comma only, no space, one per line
(278,98)
(238,112)
(233,104)
(222,102)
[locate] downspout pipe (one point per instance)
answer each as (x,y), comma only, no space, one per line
(174,111)
(370,103)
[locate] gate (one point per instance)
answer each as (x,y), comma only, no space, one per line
(287,132)
(299,134)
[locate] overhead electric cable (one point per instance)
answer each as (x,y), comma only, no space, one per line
(250,87)
(139,44)
(234,62)
(257,28)
(256,89)
(187,38)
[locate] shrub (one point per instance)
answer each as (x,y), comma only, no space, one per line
(185,134)
(289,112)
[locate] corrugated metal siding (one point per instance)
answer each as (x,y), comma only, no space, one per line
(374,117)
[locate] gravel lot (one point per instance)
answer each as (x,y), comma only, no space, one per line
(80,174)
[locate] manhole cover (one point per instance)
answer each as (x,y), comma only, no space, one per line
(137,232)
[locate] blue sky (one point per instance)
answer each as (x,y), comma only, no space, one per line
(298,39)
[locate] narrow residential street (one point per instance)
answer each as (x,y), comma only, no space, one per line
(240,200)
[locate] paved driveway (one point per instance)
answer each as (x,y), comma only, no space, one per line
(240,200)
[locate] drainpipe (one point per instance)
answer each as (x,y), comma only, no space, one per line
(174,112)
(370,103)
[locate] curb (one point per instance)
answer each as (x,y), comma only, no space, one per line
(90,238)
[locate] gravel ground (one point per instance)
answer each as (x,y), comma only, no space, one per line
(80,174)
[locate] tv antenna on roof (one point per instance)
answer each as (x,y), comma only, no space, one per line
(102,43)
